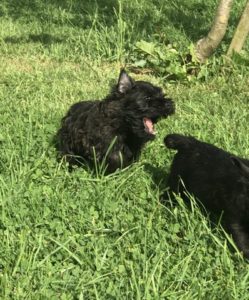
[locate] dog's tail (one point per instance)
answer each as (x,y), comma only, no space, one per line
(178,142)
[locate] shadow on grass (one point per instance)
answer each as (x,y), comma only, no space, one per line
(44,38)
(190,18)
(76,13)
(159,176)
(187,16)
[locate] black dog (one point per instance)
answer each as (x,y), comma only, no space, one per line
(115,129)
(217,178)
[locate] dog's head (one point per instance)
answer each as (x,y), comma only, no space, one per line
(143,105)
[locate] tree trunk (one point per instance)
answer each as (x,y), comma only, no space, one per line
(240,33)
(206,46)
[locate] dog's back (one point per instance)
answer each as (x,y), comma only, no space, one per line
(65,138)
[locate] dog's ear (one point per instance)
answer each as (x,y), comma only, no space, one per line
(244,169)
(125,82)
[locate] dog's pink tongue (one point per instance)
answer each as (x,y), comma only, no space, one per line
(148,125)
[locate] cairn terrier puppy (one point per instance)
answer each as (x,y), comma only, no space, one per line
(113,129)
(219,180)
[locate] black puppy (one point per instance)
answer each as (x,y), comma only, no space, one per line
(217,178)
(116,128)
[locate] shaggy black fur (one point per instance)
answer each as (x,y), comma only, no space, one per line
(217,178)
(124,119)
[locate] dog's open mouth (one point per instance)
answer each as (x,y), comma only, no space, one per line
(149,126)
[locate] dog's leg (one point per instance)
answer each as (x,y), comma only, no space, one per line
(241,236)
(118,160)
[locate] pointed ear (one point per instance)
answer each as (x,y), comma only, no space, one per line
(125,82)
(244,169)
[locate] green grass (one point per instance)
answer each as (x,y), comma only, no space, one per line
(79,236)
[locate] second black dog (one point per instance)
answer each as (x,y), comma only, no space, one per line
(217,178)
(116,128)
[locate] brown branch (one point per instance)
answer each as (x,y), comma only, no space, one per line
(240,33)
(206,46)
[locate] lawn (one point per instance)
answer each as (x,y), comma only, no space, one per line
(85,236)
